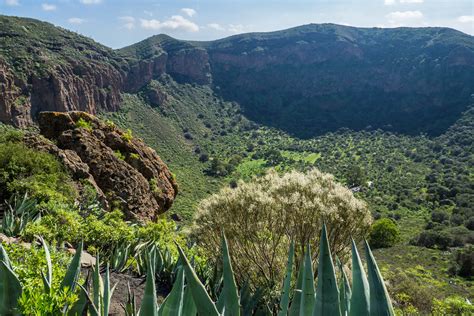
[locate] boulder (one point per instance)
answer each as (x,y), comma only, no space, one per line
(124,171)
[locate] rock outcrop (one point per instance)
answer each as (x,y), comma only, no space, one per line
(46,68)
(124,171)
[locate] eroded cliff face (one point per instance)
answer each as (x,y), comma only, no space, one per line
(70,87)
(123,170)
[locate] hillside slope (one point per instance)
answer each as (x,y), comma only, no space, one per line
(317,78)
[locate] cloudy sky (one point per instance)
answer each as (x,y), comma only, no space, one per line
(118,23)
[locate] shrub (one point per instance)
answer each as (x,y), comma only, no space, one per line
(463,262)
(29,264)
(453,305)
(384,233)
(261,217)
(41,175)
(127,136)
(434,239)
(81,123)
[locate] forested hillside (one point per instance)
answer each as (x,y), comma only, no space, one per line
(388,112)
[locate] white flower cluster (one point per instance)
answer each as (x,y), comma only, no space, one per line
(261,217)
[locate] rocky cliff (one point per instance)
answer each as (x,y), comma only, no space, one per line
(305,80)
(124,171)
(318,78)
(46,68)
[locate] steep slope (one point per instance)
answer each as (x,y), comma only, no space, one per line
(319,78)
(47,68)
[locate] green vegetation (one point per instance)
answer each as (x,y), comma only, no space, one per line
(268,213)
(384,233)
(81,123)
(24,170)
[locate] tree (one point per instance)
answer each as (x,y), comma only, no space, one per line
(261,217)
(384,233)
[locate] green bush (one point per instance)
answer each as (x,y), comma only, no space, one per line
(463,262)
(453,305)
(41,175)
(81,123)
(28,265)
(384,233)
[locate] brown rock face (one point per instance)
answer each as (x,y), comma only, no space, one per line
(71,87)
(125,171)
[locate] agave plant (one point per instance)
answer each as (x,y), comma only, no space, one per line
(97,301)
(329,296)
(18,214)
(11,288)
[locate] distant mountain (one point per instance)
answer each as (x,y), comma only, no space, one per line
(305,80)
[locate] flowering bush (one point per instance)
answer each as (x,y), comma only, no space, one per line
(261,217)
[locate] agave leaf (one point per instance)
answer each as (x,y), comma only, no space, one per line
(173,304)
(97,286)
(80,305)
(204,304)
(4,257)
(327,294)
(380,303)
(93,310)
(296,302)
(107,297)
(189,308)
(359,304)
(220,304)
(149,306)
(10,290)
(73,271)
(344,290)
(307,295)
(231,296)
(130,307)
(285,291)
(48,278)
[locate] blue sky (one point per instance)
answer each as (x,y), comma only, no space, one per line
(117,23)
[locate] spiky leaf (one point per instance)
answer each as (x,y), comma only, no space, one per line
(360,286)
(231,296)
(73,271)
(307,295)
(327,294)
(204,304)
(344,290)
(380,303)
(173,304)
(296,301)
(149,306)
(285,291)
(10,291)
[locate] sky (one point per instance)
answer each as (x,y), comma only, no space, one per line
(118,23)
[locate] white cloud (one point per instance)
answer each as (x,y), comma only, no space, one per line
(389,2)
(466,19)
(411,1)
(91,1)
(216,27)
(405,18)
(12,2)
(48,7)
(236,28)
(76,20)
(188,11)
(404,15)
(175,23)
(128,22)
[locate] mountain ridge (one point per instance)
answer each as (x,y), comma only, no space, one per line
(294,79)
